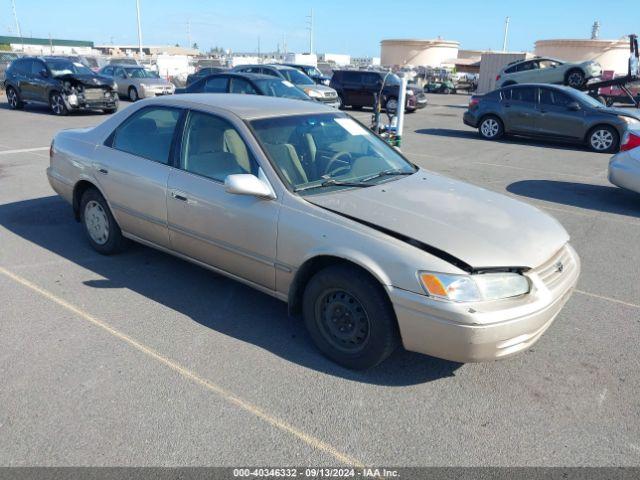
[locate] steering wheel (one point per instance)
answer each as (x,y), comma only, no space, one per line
(338,158)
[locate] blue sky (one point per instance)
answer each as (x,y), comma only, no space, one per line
(346,26)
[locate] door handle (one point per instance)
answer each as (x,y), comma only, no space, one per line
(100,169)
(179,196)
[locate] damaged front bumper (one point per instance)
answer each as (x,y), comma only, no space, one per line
(91,99)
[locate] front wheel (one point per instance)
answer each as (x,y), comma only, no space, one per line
(133,94)
(575,78)
(349,317)
(102,230)
(57,105)
(491,128)
(604,139)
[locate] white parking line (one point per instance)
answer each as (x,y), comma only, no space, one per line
(24,150)
(608,299)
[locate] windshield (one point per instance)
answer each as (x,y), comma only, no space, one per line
(65,67)
(588,99)
(312,71)
(140,73)
(280,88)
(296,76)
(319,152)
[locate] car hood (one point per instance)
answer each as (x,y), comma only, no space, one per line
(317,87)
(484,229)
(88,80)
(620,111)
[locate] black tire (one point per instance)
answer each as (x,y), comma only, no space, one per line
(342,105)
(598,139)
(57,105)
(491,127)
(360,306)
(133,94)
(446,91)
(13,99)
(114,241)
(575,78)
(109,111)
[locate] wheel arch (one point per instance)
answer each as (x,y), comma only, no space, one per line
(313,265)
(79,188)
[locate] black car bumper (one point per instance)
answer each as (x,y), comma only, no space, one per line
(469,119)
(108,102)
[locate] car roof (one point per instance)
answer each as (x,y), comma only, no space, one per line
(246,107)
(249,75)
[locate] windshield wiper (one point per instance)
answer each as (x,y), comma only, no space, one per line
(387,173)
(330,183)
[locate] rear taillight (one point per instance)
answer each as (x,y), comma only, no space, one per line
(51,150)
(497,77)
(474,101)
(630,141)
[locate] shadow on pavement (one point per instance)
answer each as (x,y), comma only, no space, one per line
(602,198)
(473,134)
(212,300)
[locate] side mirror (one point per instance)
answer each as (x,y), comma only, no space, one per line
(573,106)
(247,184)
(44,73)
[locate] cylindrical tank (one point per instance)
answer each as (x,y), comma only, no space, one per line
(431,53)
(611,54)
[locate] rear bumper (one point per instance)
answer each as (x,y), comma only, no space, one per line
(469,119)
(624,171)
(447,330)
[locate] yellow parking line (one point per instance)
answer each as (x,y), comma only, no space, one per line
(602,297)
(186,373)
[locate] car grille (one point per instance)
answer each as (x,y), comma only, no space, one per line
(94,94)
(556,268)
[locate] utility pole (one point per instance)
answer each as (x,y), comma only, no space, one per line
(284,43)
(139,29)
(310,28)
(15,17)
(506,34)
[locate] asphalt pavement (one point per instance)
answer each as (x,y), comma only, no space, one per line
(143,359)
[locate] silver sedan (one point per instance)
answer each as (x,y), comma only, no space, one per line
(303,203)
(624,167)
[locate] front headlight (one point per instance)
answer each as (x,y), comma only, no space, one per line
(629,120)
(313,93)
(474,288)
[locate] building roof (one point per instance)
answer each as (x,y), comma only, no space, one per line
(246,107)
(45,42)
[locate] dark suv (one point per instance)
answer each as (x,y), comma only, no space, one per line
(356,89)
(549,111)
(62,84)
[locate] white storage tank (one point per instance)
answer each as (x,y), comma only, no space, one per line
(424,53)
(611,54)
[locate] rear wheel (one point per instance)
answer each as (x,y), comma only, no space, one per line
(603,139)
(57,105)
(349,317)
(102,230)
(491,128)
(13,99)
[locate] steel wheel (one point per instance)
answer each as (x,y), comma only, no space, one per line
(12,98)
(490,128)
(343,321)
(601,140)
(57,104)
(97,222)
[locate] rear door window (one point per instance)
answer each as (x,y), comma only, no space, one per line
(148,133)
(524,95)
(554,97)
(216,85)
